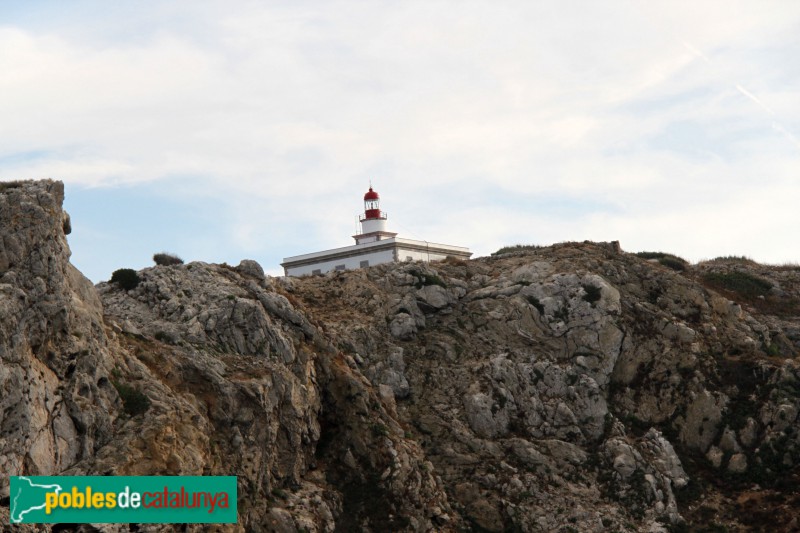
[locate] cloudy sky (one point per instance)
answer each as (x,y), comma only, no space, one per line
(229,130)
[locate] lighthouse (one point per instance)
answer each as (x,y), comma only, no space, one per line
(374,246)
(373,220)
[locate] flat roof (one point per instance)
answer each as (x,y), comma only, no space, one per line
(373,246)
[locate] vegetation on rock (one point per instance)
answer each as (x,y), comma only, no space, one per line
(167,259)
(517,248)
(668,260)
(742,283)
(134,400)
(125,278)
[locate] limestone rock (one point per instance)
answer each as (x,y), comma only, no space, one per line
(435,297)
(714,456)
(664,458)
(403,326)
(484,417)
(250,268)
(737,463)
(702,420)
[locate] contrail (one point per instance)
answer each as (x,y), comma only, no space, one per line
(775,125)
(752,97)
(696,52)
(787,133)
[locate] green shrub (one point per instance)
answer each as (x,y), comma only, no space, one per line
(427,279)
(772,350)
(733,259)
(651,255)
(593,293)
(668,260)
(133,400)
(164,337)
(742,283)
(5,185)
(166,259)
(433,279)
(673,263)
(517,248)
(379,430)
(126,278)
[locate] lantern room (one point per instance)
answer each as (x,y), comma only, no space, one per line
(372,205)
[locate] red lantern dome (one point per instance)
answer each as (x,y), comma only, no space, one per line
(372,207)
(371,195)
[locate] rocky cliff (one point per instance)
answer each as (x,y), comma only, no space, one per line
(568,388)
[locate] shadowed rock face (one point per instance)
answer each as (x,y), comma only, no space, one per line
(573,387)
(57,403)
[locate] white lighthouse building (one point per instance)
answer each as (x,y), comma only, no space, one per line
(374,245)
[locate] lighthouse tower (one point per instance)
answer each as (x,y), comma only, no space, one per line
(373,220)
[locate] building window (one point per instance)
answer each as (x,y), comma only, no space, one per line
(364,264)
(316,272)
(409,258)
(339,267)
